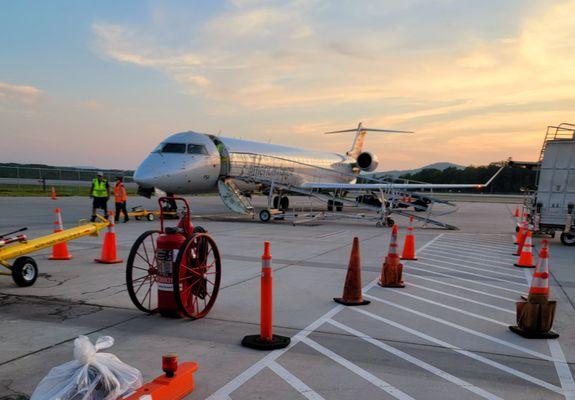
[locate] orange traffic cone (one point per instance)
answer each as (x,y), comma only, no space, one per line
(109,252)
(520,242)
(392,270)
(352,290)
(60,250)
(409,244)
(517,213)
(53,193)
(535,316)
(526,256)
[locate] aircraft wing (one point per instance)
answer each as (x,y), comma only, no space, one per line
(399,186)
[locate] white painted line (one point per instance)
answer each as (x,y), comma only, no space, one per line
(562,368)
(480,245)
(416,361)
(561,365)
(465,329)
(477,249)
(465,256)
(294,381)
(463,265)
(469,253)
(374,380)
(465,353)
(411,284)
(464,260)
(495,296)
(459,310)
(249,373)
(467,280)
(224,392)
(500,241)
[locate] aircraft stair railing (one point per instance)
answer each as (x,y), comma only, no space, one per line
(233,198)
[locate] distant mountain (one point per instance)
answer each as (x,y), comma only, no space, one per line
(397,173)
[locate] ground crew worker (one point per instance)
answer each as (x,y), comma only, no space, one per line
(100,193)
(120,198)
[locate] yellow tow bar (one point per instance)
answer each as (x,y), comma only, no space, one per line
(24,269)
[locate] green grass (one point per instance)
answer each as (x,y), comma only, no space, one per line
(10,190)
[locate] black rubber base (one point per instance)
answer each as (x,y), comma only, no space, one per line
(523,266)
(277,342)
(533,335)
(392,285)
(408,259)
(347,303)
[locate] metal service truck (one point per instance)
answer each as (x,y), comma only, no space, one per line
(551,208)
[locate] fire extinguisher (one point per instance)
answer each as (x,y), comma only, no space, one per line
(167,247)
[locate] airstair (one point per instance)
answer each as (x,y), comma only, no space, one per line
(233,197)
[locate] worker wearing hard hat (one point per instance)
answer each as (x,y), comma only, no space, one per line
(120,198)
(100,193)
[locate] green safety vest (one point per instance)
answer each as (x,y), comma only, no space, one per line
(99,188)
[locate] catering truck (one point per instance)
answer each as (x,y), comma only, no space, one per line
(551,207)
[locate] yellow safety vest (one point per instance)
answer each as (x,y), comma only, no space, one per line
(99,188)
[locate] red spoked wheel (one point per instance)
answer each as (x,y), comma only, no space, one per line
(197,274)
(141,272)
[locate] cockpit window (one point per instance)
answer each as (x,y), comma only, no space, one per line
(171,148)
(197,149)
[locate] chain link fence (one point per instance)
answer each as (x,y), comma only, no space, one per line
(69,180)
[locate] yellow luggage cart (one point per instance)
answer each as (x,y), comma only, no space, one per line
(24,269)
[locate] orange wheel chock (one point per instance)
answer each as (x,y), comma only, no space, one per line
(175,384)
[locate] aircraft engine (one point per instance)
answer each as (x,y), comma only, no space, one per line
(367,161)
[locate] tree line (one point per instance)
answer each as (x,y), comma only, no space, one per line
(510,180)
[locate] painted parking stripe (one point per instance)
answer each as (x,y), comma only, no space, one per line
(463,260)
(416,361)
(224,392)
(467,280)
(463,265)
(494,243)
(483,276)
(465,353)
(477,249)
(443,293)
(458,251)
(392,390)
(249,373)
(479,245)
(465,329)
(459,310)
(495,296)
(469,258)
(294,381)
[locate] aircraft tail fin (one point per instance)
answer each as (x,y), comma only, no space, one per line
(360,132)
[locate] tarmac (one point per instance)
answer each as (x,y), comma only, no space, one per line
(445,336)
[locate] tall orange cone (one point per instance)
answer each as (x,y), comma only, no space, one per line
(392,270)
(520,238)
(53,193)
(517,213)
(266,340)
(109,250)
(409,244)
(352,289)
(535,316)
(60,250)
(526,256)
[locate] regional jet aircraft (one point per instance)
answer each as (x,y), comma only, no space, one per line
(195,163)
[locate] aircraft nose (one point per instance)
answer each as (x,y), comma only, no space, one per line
(147,174)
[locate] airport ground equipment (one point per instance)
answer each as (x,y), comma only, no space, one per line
(552,207)
(24,269)
(139,213)
(175,270)
(175,384)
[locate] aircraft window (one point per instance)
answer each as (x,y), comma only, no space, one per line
(197,149)
(173,148)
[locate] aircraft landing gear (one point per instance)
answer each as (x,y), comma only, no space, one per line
(387,222)
(281,203)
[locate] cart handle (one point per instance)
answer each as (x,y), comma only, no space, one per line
(185,220)
(13,232)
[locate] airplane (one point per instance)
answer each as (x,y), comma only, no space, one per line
(197,163)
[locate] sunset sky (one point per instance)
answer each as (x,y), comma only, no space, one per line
(100,83)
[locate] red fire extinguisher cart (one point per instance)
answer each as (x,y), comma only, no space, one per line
(175,270)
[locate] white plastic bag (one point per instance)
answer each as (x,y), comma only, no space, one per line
(91,376)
